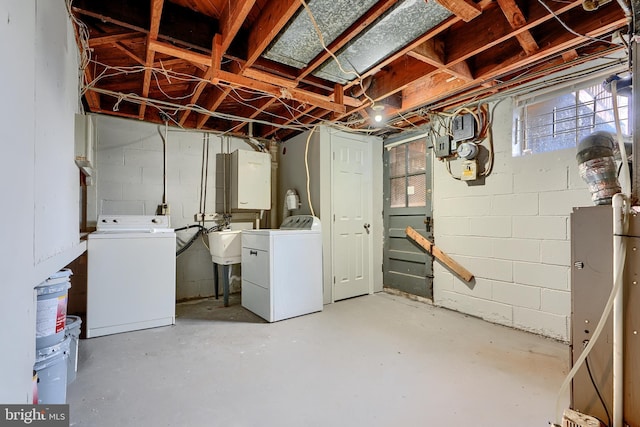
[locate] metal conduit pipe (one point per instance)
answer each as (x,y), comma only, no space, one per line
(597,166)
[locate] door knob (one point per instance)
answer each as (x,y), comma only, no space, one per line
(366,227)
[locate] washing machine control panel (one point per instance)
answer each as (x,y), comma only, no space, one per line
(301,222)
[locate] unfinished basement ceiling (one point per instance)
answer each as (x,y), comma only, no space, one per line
(299,43)
(220,65)
(404,23)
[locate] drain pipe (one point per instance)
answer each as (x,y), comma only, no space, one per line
(619,202)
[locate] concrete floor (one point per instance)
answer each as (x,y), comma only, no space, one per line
(378,360)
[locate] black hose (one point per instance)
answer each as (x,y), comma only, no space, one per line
(189,243)
(595,386)
(192,240)
(189,226)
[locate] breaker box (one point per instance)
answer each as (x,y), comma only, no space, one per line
(463,127)
(250,180)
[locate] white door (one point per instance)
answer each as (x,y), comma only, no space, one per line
(351,234)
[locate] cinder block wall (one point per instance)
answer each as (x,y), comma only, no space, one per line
(513,234)
(129,179)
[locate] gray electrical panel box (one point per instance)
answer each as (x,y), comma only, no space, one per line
(442,147)
(463,127)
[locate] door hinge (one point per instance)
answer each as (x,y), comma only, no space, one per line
(334,280)
(334,217)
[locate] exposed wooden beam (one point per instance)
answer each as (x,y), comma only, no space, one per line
(559,41)
(431,51)
(394,78)
(253,111)
(216,53)
(439,29)
(214,102)
(130,54)
(299,95)
(338,97)
(156,14)
(428,90)
(570,55)
(198,88)
(164,63)
(354,30)
(268,78)
(217,75)
(93,98)
(293,119)
(461,70)
(233,15)
(517,20)
(197,91)
(460,46)
(187,55)
(273,18)
(114,37)
(463,9)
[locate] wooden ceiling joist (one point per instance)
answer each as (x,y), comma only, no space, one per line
(273,18)
(517,20)
(485,43)
(463,9)
(233,15)
(129,53)
(115,37)
(156,14)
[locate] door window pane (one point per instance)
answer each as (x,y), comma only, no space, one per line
(398,190)
(397,161)
(417,156)
(417,190)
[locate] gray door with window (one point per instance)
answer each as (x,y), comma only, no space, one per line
(407,202)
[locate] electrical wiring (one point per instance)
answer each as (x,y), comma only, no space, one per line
(158,104)
(520,88)
(482,118)
(306,167)
(595,386)
(566,27)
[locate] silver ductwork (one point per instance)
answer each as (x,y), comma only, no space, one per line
(597,166)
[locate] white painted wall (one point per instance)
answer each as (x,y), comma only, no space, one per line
(40,180)
(513,234)
(129,181)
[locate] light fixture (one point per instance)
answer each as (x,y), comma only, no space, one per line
(377,108)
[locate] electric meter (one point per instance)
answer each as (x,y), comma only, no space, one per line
(467,150)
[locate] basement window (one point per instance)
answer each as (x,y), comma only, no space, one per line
(558,121)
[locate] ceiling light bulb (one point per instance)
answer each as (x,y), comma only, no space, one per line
(378,112)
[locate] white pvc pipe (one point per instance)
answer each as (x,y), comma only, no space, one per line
(618,310)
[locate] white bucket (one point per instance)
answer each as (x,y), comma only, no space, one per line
(51,311)
(72,330)
(51,369)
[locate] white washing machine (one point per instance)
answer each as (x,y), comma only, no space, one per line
(282,269)
(131,274)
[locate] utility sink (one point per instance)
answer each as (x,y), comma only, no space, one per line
(225,246)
